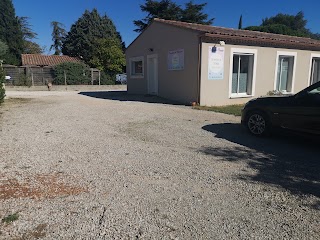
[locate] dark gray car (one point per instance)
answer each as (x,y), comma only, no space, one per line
(299,112)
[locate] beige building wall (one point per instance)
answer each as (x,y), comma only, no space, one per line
(217,92)
(179,85)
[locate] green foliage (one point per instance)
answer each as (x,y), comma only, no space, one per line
(106,79)
(58,37)
(193,13)
(81,41)
(32,48)
(23,80)
(29,47)
(108,56)
(293,25)
(2,80)
(76,73)
(166,9)
(228,109)
(11,218)
(3,49)
(27,32)
(10,32)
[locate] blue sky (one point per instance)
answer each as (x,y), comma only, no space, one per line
(123,12)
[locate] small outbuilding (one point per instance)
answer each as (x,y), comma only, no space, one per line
(212,65)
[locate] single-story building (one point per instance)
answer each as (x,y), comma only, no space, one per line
(218,66)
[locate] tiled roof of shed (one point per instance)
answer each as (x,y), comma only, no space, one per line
(44,60)
(231,35)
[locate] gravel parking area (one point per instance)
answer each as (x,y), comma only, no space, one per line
(105,165)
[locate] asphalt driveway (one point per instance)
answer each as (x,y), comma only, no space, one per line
(107,165)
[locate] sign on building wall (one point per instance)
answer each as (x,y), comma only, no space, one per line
(176,60)
(216,63)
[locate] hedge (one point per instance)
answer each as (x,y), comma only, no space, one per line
(75,73)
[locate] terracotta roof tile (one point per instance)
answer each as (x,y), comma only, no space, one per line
(246,36)
(45,60)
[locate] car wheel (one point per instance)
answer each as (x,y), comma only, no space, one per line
(258,124)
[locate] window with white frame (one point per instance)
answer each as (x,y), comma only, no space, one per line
(243,72)
(285,72)
(315,70)
(137,67)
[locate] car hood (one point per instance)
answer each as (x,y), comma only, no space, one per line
(271,100)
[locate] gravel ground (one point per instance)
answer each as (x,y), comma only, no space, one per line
(110,166)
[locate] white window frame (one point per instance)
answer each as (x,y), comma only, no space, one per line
(243,51)
(136,59)
(313,55)
(289,54)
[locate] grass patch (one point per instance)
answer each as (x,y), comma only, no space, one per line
(10,218)
(229,109)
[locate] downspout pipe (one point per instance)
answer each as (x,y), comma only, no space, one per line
(199,68)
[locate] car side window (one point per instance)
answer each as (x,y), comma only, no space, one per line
(314,91)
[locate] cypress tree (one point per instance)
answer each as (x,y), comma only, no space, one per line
(240,22)
(10,32)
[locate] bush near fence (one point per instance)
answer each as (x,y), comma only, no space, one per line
(71,74)
(2,80)
(40,76)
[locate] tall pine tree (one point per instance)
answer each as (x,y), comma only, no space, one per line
(58,37)
(10,32)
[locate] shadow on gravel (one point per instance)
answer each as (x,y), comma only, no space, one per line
(288,161)
(124,96)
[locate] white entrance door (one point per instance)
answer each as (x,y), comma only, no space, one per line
(152,66)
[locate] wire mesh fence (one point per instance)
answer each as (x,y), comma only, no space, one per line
(40,76)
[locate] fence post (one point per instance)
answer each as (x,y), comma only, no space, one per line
(99,77)
(65,79)
(91,76)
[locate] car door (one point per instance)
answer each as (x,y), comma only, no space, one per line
(303,112)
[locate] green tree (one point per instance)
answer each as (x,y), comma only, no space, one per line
(166,9)
(3,49)
(10,32)
(29,46)
(193,13)
(294,25)
(240,22)
(32,48)
(58,37)
(108,56)
(81,41)
(26,28)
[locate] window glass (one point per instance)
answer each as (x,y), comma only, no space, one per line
(315,70)
(242,73)
(285,73)
(137,67)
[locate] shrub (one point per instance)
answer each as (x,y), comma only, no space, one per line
(106,79)
(76,73)
(2,90)
(23,80)
(274,93)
